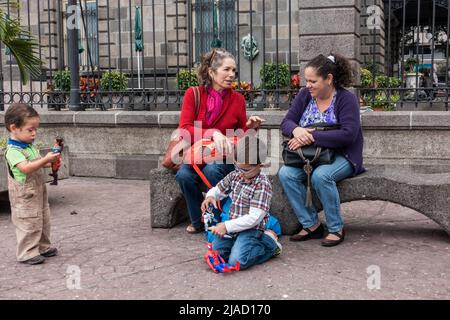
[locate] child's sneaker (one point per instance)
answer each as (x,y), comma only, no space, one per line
(274,236)
(50,253)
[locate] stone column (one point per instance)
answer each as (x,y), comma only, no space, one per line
(373,39)
(329,25)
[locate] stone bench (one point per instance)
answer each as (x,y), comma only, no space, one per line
(420,188)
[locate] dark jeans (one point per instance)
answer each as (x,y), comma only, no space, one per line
(189,182)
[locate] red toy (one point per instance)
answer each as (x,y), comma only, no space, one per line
(204,149)
(216,262)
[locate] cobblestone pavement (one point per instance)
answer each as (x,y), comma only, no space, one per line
(110,242)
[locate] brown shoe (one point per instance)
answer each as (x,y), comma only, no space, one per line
(192,230)
(316,234)
(332,243)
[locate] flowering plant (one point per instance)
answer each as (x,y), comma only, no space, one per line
(246,87)
(295,82)
(88,86)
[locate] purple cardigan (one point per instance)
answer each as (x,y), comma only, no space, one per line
(348,139)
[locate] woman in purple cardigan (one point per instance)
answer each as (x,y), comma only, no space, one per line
(323,100)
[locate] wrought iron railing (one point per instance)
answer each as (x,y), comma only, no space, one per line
(175,33)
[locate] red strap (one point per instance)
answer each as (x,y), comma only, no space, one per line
(202,176)
(198,148)
(205,181)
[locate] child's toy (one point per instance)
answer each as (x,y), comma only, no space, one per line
(210,220)
(212,257)
(58,148)
(216,262)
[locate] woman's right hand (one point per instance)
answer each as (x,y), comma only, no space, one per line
(207,202)
(302,137)
(222,144)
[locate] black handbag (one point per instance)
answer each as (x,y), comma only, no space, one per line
(309,157)
(315,155)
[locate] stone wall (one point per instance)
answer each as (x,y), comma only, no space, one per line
(315,27)
(329,26)
(129,144)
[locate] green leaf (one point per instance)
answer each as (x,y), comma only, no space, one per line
(22,46)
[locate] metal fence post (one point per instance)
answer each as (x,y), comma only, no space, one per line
(74,64)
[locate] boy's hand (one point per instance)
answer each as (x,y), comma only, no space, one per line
(219,229)
(51,156)
(207,202)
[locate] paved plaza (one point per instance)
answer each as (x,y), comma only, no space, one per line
(109,251)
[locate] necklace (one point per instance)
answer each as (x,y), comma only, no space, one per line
(332,100)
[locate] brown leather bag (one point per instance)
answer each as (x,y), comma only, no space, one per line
(176,143)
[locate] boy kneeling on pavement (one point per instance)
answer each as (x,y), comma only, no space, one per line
(250,190)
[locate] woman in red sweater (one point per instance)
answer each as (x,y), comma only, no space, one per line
(221,109)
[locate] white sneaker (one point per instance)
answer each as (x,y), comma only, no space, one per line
(274,236)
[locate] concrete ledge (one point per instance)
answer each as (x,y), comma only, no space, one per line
(119,166)
(406,120)
(314,4)
(428,194)
(395,120)
(65,118)
(101,142)
(144,118)
(169,119)
(97,118)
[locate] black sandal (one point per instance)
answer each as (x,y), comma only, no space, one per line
(331,243)
(316,234)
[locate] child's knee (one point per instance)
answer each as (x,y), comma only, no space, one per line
(240,256)
(221,247)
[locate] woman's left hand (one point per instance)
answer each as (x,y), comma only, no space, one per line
(254,122)
(296,143)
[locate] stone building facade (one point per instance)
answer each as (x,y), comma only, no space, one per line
(286,31)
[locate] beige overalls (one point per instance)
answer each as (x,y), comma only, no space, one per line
(30,213)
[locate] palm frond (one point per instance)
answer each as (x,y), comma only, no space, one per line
(22,46)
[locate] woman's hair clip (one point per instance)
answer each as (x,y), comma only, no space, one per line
(332,59)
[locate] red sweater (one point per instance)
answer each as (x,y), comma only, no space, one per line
(232,116)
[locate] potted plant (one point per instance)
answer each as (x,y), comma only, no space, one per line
(186,79)
(367,82)
(295,85)
(411,62)
(385,102)
(377,93)
(58,91)
(245,89)
(88,89)
(275,76)
(114,84)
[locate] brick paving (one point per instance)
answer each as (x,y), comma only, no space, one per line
(110,241)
